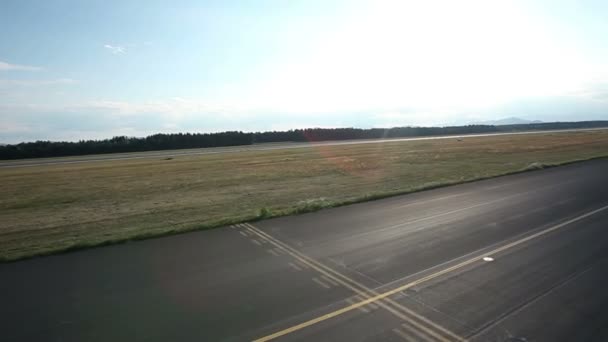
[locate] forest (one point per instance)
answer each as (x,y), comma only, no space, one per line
(39,149)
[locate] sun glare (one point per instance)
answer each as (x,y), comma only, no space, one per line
(432,54)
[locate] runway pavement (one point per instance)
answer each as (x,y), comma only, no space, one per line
(514,258)
(243,148)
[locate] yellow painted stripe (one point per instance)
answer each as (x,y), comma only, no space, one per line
(318,266)
(424,279)
(304,259)
(353,301)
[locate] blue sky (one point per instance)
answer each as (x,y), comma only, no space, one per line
(94,69)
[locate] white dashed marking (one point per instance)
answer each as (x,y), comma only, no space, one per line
(294,266)
(329,280)
(316,280)
(403,335)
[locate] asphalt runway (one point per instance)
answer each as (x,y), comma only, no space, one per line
(515,258)
(243,148)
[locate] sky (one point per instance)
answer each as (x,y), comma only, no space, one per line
(73,70)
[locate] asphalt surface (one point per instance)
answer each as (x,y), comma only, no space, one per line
(244,148)
(407,268)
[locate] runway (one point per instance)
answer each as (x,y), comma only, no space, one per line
(514,258)
(243,148)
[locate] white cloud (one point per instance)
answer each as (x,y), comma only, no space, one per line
(4,66)
(175,107)
(595,87)
(116,49)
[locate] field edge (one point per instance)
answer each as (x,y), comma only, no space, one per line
(267,213)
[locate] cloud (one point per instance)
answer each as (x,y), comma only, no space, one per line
(595,92)
(27,119)
(175,107)
(115,49)
(4,66)
(594,87)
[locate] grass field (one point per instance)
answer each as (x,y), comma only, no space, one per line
(55,208)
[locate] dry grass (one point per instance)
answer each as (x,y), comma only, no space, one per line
(56,208)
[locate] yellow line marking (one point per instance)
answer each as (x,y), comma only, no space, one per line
(403,335)
(316,280)
(366,308)
(354,300)
(320,268)
(324,270)
(424,279)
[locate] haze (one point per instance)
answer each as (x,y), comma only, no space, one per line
(74,70)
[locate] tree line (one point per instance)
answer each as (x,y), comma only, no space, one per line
(41,149)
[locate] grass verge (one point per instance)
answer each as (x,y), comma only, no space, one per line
(58,208)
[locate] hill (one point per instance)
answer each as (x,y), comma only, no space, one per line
(509,121)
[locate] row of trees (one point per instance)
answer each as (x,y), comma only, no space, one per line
(197,140)
(324,134)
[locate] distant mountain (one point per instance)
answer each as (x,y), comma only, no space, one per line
(508,121)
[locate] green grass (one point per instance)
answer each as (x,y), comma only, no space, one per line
(55,208)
